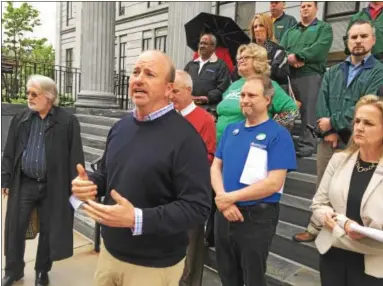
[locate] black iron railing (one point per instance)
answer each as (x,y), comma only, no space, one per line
(14,76)
(121,85)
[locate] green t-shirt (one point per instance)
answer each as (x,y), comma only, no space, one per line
(229,110)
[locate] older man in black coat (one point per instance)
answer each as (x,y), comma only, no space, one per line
(39,162)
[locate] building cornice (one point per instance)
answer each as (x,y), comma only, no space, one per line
(143,15)
(68,30)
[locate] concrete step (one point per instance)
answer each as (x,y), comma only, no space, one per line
(300,185)
(97,120)
(91,154)
(115,113)
(280,271)
(295,210)
(283,245)
(307,165)
(93,141)
(94,129)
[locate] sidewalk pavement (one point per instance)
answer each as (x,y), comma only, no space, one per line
(75,271)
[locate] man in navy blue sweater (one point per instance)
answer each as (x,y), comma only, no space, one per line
(156,180)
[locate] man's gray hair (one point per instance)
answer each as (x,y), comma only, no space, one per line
(185,78)
(46,85)
(212,38)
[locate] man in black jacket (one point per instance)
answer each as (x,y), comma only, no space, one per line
(39,162)
(210,75)
(156,185)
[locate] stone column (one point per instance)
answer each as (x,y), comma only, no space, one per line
(179,14)
(97,55)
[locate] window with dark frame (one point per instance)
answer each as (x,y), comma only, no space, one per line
(147,37)
(69,11)
(241,12)
(340,9)
(121,66)
(68,73)
(160,35)
(160,43)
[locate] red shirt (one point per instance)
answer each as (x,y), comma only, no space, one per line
(204,124)
(223,54)
(374,10)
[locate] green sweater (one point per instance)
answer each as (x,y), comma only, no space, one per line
(310,44)
(377,23)
(337,101)
(282,24)
(229,110)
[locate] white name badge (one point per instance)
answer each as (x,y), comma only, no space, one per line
(255,168)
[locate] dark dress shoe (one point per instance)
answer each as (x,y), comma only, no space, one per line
(8,280)
(42,279)
(304,237)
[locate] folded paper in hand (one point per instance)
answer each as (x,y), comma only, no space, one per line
(367,231)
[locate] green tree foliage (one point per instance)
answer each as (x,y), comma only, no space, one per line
(22,52)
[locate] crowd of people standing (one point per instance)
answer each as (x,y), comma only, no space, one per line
(211,145)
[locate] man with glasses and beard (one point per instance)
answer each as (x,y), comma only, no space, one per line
(39,162)
(210,75)
(343,85)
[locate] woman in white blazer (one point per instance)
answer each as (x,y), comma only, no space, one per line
(351,191)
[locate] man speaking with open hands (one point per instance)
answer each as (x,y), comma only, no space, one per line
(156,185)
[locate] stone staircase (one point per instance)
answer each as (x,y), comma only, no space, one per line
(289,263)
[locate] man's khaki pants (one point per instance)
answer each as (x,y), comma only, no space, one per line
(324,154)
(113,272)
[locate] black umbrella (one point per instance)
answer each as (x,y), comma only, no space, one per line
(228,33)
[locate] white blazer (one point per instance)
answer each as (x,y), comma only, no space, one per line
(332,195)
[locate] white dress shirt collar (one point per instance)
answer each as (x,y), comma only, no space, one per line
(188,109)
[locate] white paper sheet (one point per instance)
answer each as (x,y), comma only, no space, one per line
(368,231)
(255,168)
(75,202)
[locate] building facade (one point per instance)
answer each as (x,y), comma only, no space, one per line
(144,25)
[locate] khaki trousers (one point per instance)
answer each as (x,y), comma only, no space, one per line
(324,154)
(113,272)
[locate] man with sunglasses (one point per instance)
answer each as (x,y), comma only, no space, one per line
(39,162)
(210,75)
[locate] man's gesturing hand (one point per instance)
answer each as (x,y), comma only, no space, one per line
(82,187)
(119,215)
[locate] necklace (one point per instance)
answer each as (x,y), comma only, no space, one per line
(361,169)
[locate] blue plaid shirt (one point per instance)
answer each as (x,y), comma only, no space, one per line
(138,217)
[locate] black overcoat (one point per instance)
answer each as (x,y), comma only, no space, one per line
(63,151)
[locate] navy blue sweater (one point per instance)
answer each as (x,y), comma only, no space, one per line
(160,166)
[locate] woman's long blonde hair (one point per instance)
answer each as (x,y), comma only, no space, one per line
(373,100)
(267,22)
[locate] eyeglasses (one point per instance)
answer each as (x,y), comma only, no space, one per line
(33,94)
(244,58)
